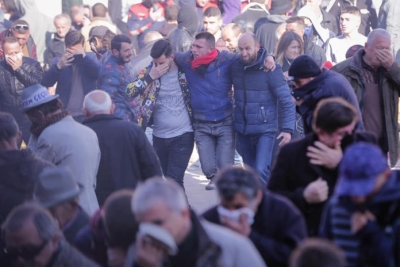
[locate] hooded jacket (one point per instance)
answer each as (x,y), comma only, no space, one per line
(326,84)
(19,171)
(183,35)
(40,25)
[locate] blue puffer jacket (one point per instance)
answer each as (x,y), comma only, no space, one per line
(209,90)
(256,98)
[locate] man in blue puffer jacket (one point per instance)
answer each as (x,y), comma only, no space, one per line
(256,106)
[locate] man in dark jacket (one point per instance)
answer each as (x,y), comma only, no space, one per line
(56,47)
(305,171)
(310,85)
(127,157)
(20,30)
(75,73)
(257,94)
(271,222)
(375,79)
(365,208)
(19,168)
(183,35)
(17,72)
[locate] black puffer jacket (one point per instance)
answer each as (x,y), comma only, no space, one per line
(12,83)
(19,170)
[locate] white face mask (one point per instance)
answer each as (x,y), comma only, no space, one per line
(234,215)
(15,57)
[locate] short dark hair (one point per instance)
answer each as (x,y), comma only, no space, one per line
(161,47)
(8,126)
(233,180)
(298,20)
(212,11)
(171,13)
(210,39)
(9,40)
(118,39)
(333,113)
(99,10)
(316,252)
(119,220)
(73,38)
(351,10)
(46,108)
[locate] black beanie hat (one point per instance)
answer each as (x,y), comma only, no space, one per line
(303,67)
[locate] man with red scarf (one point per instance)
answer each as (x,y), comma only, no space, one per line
(208,73)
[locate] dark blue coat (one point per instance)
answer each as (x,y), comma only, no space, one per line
(326,84)
(257,94)
(277,229)
(89,69)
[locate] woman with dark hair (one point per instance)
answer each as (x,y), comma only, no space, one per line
(289,47)
(8,7)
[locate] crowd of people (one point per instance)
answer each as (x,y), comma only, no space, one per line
(102,107)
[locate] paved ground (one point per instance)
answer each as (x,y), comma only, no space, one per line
(199,198)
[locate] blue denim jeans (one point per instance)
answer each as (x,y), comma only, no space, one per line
(215,144)
(257,151)
(174,155)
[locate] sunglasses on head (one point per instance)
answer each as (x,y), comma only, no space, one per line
(21,27)
(27,252)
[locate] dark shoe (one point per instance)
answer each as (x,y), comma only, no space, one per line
(210,185)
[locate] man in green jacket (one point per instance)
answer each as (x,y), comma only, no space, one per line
(375,77)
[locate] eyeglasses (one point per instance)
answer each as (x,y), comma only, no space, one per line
(27,252)
(21,27)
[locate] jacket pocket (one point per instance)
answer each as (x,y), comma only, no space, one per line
(263,113)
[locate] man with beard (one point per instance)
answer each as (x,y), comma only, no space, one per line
(257,94)
(115,75)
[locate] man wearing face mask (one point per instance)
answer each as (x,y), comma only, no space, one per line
(271,222)
(305,171)
(17,72)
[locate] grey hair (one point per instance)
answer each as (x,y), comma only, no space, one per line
(378,32)
(233,180)
(44,223)
(63,16)
(158,190)
(8,127)
(102,105)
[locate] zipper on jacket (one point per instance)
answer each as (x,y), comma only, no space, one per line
(244,103)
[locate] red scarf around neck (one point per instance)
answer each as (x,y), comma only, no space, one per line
(204,60)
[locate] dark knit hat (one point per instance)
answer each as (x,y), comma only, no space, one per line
(303,67)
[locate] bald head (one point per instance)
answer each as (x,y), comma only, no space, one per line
(152,36)
(97,102)
(248,48)
(231,33)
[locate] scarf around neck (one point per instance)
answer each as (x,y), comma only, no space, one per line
(37,129)
(204,60)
